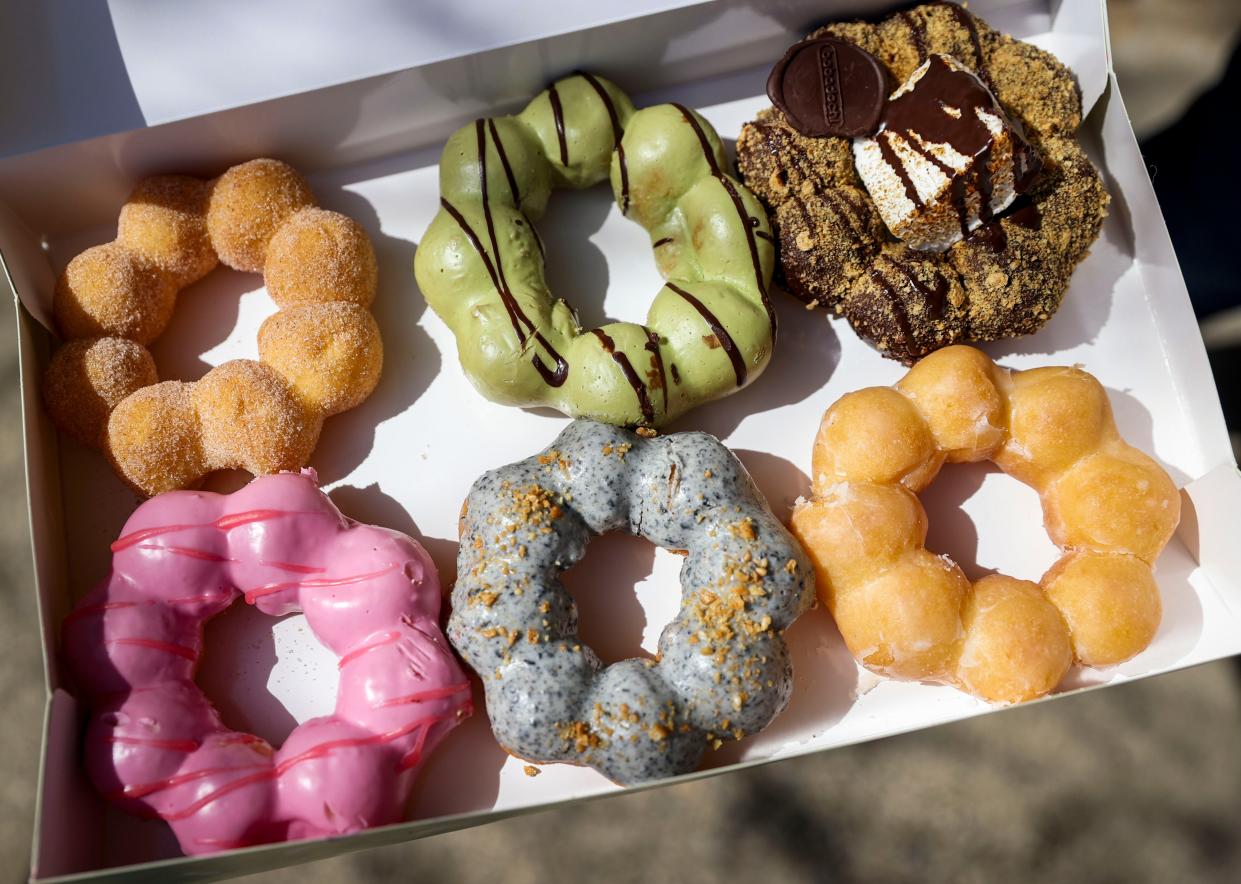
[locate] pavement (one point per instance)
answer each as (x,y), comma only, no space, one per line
(1138,783)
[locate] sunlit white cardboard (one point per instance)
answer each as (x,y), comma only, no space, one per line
(406,457)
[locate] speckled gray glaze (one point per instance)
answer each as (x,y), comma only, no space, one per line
(722,670)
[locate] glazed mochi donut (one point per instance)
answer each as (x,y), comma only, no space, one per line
(722,670)
(907,613)
(156,746)
(710,329)
(321,354)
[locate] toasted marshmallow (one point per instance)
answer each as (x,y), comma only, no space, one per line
(946,158)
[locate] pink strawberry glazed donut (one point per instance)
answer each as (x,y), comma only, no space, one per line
(157,747)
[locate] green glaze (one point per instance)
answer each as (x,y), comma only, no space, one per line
(710,329)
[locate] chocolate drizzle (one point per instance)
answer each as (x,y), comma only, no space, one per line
(993,236)
(558,112)
(717,328)
(616,135)
(915,31)
(894,300)
(522,325)
(966,20)
(508,169)
(920,118)
(626,367)
(657,360)
(743,215)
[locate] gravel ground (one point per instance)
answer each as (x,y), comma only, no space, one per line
(1136,783)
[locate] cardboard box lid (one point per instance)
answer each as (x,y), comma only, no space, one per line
(1129,321)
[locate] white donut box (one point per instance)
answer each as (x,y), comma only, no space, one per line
(382,98)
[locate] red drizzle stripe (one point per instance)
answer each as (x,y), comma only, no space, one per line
(387,638)
(92,610)
(153,743)
(295,568)
(224,523)
(314,583)
(432,694)
(188,552)
(310,754)
(141,790)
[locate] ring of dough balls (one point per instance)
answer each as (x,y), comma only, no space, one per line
(722,670)
(905,612)
(321,354)
(711,327)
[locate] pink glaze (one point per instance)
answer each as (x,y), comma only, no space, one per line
(156,745)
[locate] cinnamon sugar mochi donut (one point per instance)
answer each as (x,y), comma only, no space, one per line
(906,612)
(320,355)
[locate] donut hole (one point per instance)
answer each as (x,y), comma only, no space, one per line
(623,597)
(266,675)
(965,496)
(203,332)
(590,236)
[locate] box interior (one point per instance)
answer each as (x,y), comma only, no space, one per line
(406,457)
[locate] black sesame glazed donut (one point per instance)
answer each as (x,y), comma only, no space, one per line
(722,670)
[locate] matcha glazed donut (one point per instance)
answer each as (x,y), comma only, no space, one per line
(710,329)
(723,669)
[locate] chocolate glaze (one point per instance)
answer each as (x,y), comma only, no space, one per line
(616,135)
(993,236)
(748,222)
(626,367)
(717,328)
(919,117)
(829,87)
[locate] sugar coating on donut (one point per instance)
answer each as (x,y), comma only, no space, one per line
(110,290)
(917,639)
(154,441)
(1109,507)
(318,256)
(954,390)
(1110,602)
(248,203)
(165,220)
(845,444)
(251,419)
(1056,416)
(866,526)
(89,377)
(1116,500)
(1017,645)
(330,354)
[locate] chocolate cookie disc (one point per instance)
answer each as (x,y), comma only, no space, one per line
(829,87)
